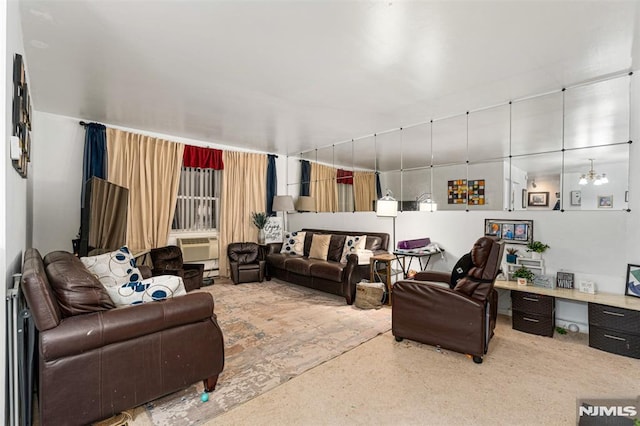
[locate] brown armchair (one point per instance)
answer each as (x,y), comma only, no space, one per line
(246,262)
(461,318)
(168,261)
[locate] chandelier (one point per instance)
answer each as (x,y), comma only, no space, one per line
(592,176)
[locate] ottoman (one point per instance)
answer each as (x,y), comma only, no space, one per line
(369,295)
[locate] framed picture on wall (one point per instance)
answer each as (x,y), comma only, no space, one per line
(605,201)
(510,231)
(632,286)
(538,199)
(576,198)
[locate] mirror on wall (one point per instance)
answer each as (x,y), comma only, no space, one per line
(494,158)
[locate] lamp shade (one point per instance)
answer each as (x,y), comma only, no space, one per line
(283,203)
(387,207)
(306,204)
(428,206)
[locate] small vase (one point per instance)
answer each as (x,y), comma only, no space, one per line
(535,255)
(260,236)
(511,258)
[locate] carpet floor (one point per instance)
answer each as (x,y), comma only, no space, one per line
(525,380)
(273,332)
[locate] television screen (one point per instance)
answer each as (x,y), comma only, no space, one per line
(104,216)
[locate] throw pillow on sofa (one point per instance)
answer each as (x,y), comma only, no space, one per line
(293,243)
(78,291)
(148,290)
(352,244)
(320,246)
(113,269)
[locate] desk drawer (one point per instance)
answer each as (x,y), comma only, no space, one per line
(614,341)
(542,325)
(532,303)
(614,318)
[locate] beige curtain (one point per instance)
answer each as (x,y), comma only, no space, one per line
(244,191)
(364,190)
(324,187)
(150,168)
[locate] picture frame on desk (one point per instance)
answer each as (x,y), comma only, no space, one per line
(632,285)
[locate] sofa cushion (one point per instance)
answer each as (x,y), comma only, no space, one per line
(308,239)
(278,260)
(78,291)
(331,271)
(152,289)
(243,253)
(351,245)
(335,247)
(320,246)
(114,268)
(293,243)
(299,265)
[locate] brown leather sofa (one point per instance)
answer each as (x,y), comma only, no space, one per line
(168,261)
(461,318)
(245,262)
(327,275)
(96,360)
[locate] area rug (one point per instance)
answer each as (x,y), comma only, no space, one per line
(273,332)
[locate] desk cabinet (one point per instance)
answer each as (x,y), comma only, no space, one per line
(614,329)
(533,313)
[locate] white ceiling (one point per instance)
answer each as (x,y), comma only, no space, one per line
(287,76)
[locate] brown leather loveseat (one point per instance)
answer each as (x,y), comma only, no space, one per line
(96,360)
(327,275)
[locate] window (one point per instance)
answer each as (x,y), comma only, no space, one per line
(198,200)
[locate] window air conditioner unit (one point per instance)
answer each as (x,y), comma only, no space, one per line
(198,248)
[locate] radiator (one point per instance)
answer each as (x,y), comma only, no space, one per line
(193,249)
(21,338)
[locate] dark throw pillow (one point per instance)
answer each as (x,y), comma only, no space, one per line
(461,269)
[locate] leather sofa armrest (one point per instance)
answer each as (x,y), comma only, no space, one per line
(82,333)
(436,276)
(274,248)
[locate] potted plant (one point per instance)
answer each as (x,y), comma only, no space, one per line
(260,219)
(512,255)
(523,273)
(536,248)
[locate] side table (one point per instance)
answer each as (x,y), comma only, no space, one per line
(384,274)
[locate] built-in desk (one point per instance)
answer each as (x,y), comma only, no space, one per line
(614,319)
(618,300)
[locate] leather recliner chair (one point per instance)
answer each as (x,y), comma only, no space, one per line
(461,318)
(168,261)
(246,262)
